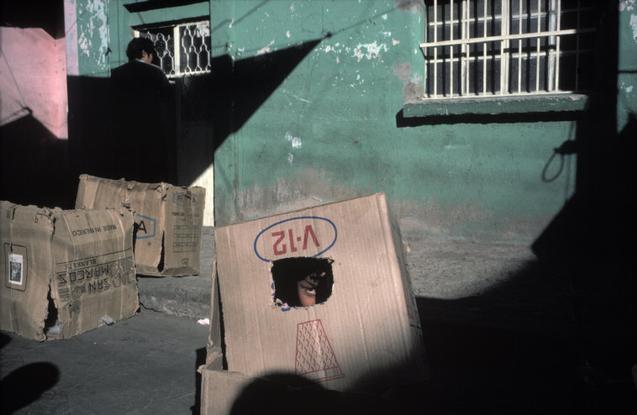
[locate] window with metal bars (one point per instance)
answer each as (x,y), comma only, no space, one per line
(183,49)
(486,48)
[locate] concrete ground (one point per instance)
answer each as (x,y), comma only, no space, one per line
(516,347)
(143,365)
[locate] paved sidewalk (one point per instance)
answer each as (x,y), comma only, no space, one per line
(143,365)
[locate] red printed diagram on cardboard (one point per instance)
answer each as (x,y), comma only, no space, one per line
(315,358)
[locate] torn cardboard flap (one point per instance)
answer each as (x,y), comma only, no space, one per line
(168,221)
(65,272)
(361,329)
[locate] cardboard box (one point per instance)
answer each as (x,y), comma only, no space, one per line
(363,332)
(168,221)
(65,272)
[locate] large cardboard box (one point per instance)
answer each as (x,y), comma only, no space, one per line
(168,221)
(65,272)
(320,294)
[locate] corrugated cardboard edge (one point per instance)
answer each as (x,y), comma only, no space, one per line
(219,229)
(86,191)
(219,388)
(214,345)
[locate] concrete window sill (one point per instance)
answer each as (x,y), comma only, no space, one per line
(439,109)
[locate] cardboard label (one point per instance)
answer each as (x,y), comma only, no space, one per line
(16,276)
(16,268)
(309,236)
(186,238)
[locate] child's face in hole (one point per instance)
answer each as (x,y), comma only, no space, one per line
(306,288)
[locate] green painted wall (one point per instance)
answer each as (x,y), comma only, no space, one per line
(104,29)
(627,65)
(94,28)
(329,131)
(470,197)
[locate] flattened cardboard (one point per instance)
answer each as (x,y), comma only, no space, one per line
(168,221)
(366,336)
(80,260)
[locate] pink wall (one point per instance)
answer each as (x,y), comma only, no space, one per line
(33,74)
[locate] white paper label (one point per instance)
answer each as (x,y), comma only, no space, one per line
(16,269)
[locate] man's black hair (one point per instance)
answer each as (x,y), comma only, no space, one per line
(139,44)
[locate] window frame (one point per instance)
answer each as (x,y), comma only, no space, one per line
(504,52)
(176,70)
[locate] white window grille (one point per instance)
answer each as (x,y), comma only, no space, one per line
(479,48)
(183,49)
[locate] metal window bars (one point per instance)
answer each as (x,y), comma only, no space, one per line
(479,48)
(183,49)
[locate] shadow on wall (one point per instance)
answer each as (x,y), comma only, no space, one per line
(35,166)
(39,169)
(591,237)
(207,109)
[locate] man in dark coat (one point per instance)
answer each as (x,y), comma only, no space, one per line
(142,127)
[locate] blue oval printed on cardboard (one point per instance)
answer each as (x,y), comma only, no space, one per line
(302,236)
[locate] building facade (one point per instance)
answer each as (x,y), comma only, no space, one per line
(293,103)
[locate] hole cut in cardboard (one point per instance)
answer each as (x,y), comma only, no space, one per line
(52,325)
(302,281)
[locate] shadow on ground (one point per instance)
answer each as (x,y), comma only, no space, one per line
(26,384)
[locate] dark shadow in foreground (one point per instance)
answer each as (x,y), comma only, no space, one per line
(26,384)
(516,348)
(281,392)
